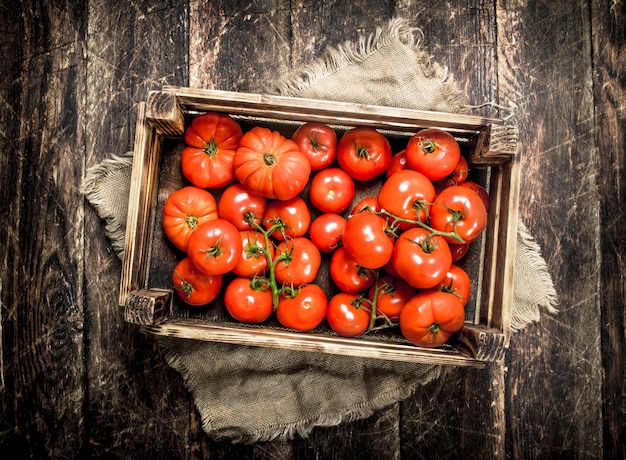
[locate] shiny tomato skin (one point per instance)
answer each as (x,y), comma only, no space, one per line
(480,190)
(212,139)
(397,163)
(348,314)
(253,259)
(326,231)
(271,165)
(183,211)
(430,318)
(348,275)
(408,195)
(318,142)
(461,205)
(247,302)
(331,190)
(459,174)
(363,153)
(366,241)
(369,203)
(433,152)
(420,258)
(456,282)
(293,213)
(193,287)
(215,247)
(236,201)
(392,294)
(303,311)
(302,263)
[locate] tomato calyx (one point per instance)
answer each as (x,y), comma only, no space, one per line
(433,330)
(269,159)
(211,148)
(427,145)
(362,152)
(395,220)
(191,222)
(185,286)
(215,250)
(316,144)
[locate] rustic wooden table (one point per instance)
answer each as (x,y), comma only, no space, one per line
(76,381)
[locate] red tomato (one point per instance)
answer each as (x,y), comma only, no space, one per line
(421,258)
(326,231)
(332,190)
(318,142)
(271,165)
(236,201)
(482,192)
(349,276)
(183,211)
(366,241)
(348,314)
(429,319)
(248,301)
(293,214)
(193,287)
(215,247)
(459,208)
(299,262)
(458,250)
(366,204)
(398,163)
(456,282)
(433,152)
(304,309)
(459,173)
(212,140)
(392,294)
(253,259)
(363,153)
(407,195)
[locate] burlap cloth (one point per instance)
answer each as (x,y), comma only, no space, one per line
(249,394)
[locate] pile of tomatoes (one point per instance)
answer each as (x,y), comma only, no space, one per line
(244,228)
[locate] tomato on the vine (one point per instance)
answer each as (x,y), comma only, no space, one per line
(366,241)
(391,295)
(456,282)
(248,300)
(215,247)
(459,209)
(193,287)
(433,152)
(369,203)
(236,201)
(303,308)
(271,165)
(430,318)
(407,195)
(292,216)
(326,231)
(212,139)
(298,263)
(348,275)
(184,210)
(459,174)
(331,190)
(348,314)
(253,259)
(363,153)
(318,142)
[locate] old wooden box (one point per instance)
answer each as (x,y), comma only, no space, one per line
(489,144)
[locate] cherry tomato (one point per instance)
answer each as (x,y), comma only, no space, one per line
(363,153)
(421,258)
(430,318)
(215,247)
(482,192)
(348,275)
(332,190)
(212,140)
(293,214)
(236,201)
(248,301)
(318,142)
(193,287)
(326,231)
(398,163)
(303,309)
(366,204)
(184,210)
(433,152)
(456,282)
(459,173)
(459,208)
(348,314)
(299,262)
(253,259)
(392,294)
(366,241)
(458,250)
(408,195)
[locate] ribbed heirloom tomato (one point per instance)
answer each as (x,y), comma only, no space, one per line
(193,287)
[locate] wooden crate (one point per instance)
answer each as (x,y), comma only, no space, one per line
(489,144)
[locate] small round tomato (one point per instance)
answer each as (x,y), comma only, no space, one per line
(398,163)
(391,296)
(433,152)
(248,301)
(366,241)
(184,210)
(407,195)
(348,275)
(215,247)
(366,204)
(459,209)
(421,258)
(318,142)
(482,192)
(458,250)
(363,153)
(292,217)
(459,173)
(193,287)
(253,259)
(212,140)
(326,231)
(430,318)
(456,282)
(271,165)
(348,314)
(302,309)
(332,190)
(236,201)
(298,263)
